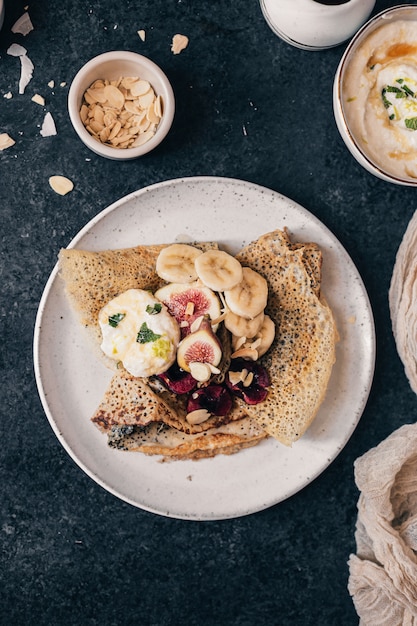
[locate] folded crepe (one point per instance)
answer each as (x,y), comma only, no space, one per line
(383,572)
(139,414)
(301,358)
(402,299)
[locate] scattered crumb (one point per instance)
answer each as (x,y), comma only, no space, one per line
(189,477)
(51,84)
(62,84)
(48,127)
(142,34)
(38,99)
(8,95)
(61,184)
(6,141)
(351,319)
(179,43)
(23,26)
(245,132)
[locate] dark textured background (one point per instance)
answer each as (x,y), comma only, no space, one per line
(71,553)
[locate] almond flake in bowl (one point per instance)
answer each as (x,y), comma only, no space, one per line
(121,105)
(123,113)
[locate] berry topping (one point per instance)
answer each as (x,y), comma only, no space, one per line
(214,398)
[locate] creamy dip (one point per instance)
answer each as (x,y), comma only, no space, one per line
(379,100)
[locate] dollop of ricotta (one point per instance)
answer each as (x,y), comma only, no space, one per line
(138,331)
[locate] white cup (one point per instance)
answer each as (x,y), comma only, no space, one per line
(315,24)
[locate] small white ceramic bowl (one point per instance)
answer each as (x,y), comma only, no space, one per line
(112,66)
(315,24)
(378,144)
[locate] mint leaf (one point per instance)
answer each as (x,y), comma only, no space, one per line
(154,309)
(411,123)
(146,335)
(114,320)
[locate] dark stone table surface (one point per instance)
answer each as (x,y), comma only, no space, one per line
(249,106)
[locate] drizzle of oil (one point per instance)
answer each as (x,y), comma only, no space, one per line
(395,51)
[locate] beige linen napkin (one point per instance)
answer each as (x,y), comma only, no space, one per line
(383,572)
(403,301)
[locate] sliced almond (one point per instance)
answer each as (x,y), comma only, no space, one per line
(140,87)
(6,141)
(196,323)
(114,96)
(248,379)
(179,43)
(200,371)
(38,99)
(246,353)
(61,184)
(128,107)
(151,115)
(197,417)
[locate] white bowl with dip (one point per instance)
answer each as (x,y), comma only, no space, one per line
(111,67)
(375,95)
(315,24)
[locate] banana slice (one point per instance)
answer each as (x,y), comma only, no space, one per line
(266,334)
(218,270)
(242,327)
(260,343)
(175,263)
(249,297)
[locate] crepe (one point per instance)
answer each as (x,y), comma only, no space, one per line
(92,279)
(302,355)
(160,439)
(139,414)
(133,401)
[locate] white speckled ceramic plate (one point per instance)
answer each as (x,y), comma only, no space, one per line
(71,382)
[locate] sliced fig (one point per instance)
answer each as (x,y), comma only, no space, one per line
(187,302)
(215,399)
(177,380)
(201,346)
(248,380)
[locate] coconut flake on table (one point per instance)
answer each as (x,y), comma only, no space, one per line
(142,34)
(8,95)
(23,26)
(48,127)
(27,67)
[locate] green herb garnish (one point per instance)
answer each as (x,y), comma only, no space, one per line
(114,320)
(146,335)
(406,89)
(411,123)
(154,309)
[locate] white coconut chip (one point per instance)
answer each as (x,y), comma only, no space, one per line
(142,34)
(48,127)
(23,26)
(8,95)
(27,67)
